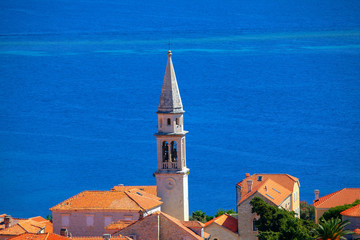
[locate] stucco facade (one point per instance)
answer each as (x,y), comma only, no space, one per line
(91,223)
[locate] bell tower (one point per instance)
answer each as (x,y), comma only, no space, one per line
(172,173)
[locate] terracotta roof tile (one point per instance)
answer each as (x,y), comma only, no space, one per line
(27,226)
(285,180)
(170,219)
(42,236)
(352,212)
(119,237)
(118,225)
(226,221)
(114,200)
(338,198)
(193,224)
(148,189)
(270,189)
(178,222)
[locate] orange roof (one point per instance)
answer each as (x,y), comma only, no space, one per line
(193,224)
(119,237)
(28,226)
(285,180)
(357,231)
(179,223)
(274,187)
(225,221)
(148,189)
(352,212)
(118,225)
(41,236)
(170,219)
(114,200)
(341,197)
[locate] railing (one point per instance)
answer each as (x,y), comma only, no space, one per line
(169,165)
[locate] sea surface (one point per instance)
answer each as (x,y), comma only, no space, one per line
(267,86)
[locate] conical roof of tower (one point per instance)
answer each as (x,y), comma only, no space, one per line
(170,100)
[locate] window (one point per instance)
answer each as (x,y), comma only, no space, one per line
(89,220)
(168,121)
(107,220)
(177,121)
(165,151)
(65,220)
(173,151)
(259,178)
(254,227)
(161,123)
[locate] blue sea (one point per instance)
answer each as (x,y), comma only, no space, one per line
(267,86)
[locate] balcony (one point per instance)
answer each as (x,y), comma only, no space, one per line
(169,165)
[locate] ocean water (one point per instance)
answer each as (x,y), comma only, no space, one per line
(267,86)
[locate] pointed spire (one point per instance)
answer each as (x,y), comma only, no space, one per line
(170,100)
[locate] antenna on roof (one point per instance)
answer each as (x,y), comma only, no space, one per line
(42,230)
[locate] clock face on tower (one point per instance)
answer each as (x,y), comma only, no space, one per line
(170,183)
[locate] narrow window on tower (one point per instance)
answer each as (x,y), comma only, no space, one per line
(168,121)
(165,151)
(173,151)
(177,121)
(161,122)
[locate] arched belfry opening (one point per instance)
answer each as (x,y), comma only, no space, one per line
(165,151)
(173,151)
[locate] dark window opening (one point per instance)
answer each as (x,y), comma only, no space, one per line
(254,226)
(177,121)
(168,121)
(165,151)
(173,151)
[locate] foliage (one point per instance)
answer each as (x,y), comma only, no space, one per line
(307,212)
(278,224)
(223,211)
(332,229)
(200,216)
(49,217)
(334,212)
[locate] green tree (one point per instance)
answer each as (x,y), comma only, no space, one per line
(307,212)
(49,217)
(200,216)
(278,224)
(223,211)
(334,212)
(332,229)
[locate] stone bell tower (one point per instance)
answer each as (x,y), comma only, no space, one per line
(172,173)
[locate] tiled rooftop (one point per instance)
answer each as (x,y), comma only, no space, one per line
(275,187)
(147,189)
(43,236)
(173,221)
(226,221)
(100,238)
(352,212)
(338,198)
(118,225)
(131,199)
(31,225)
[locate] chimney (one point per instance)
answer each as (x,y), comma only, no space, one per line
(7,221)
(107,236)
(317,192)
(249,183)
(64,232)
(247,175)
